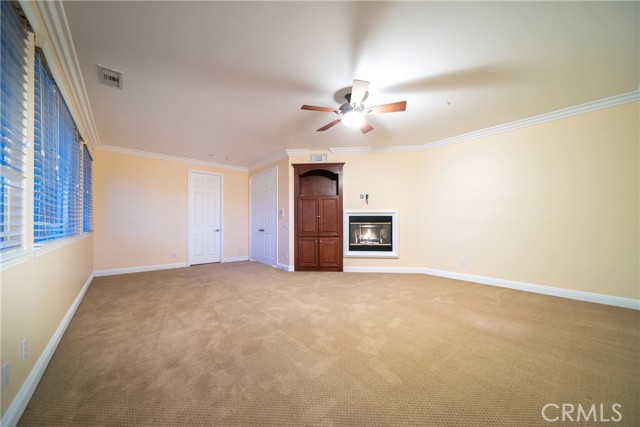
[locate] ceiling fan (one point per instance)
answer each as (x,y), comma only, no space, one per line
(352,112)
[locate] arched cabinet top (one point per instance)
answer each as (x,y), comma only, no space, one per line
(313,179)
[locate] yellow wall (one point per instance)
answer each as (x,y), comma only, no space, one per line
(140,207)
(392,181)
(36,296)
(553,204)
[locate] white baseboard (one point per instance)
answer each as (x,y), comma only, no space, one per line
(15,410)
(404,270)
(511,284)
(236,259)
(540,289)
(126,270)
(285,267)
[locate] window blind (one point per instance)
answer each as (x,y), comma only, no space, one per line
(87,190)
(13,142)
(57,195)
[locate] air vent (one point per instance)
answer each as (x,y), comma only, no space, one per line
(318,157)
(110,77)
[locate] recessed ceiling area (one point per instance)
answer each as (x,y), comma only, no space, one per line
(213,81)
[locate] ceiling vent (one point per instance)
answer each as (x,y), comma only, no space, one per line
(110,77)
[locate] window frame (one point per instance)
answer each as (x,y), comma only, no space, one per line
(13,133)
(29,250)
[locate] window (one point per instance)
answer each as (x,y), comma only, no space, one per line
(57,193)
(13,142)
(87,189)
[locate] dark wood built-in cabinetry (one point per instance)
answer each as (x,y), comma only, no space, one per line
(318,216)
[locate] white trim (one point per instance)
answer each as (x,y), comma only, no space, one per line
(58,33)
(279,156)
(510,284)
(138,269)
(15,410)
(236,258)
(54,245)
(49,21)
(158,156)
(388,149)
(588,107)
(395,233)
(13,259)
(297,152)
(285,267)
(540,289)
(403,270)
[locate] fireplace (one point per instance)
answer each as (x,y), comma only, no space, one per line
(371,234)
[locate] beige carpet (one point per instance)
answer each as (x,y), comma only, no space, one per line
(242,344)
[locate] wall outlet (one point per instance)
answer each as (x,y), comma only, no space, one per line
(24,350)
(286,257)
(173,255)
(463,262)
(5,375)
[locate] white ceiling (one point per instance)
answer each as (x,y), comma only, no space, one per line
(217,80)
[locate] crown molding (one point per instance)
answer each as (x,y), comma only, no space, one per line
(588,107)
(291,152)
(259,165)
(388,149)
(158,156)
(50,24)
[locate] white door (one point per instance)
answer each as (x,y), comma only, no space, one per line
(264,217)
(204,217)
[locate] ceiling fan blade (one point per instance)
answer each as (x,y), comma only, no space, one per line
(388,108)
(358,91)
(314,108)
(329,126)
(365,127)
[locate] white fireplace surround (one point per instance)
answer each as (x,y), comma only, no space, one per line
(394,253)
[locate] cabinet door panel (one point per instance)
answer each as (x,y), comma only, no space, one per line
(330,253)
(307,216)
(330,216)
(307,252)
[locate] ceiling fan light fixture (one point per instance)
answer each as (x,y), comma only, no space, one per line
(353,119)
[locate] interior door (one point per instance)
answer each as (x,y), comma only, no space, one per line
(204,218)
(264,217)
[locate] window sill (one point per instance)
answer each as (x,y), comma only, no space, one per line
(16,258)
(47,248)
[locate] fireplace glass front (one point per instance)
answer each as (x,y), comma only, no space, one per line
(370,234)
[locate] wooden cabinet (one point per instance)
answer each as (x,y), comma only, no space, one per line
(318,216)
